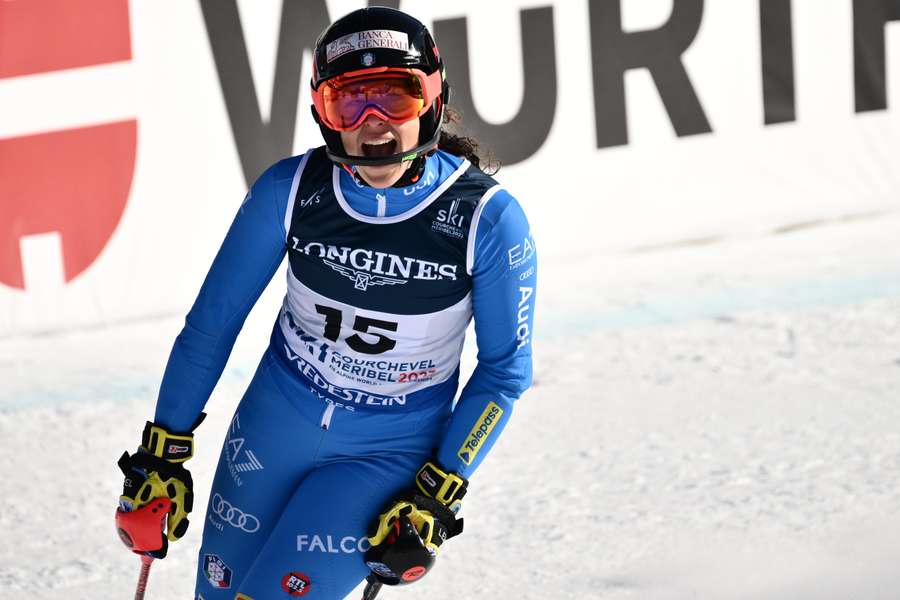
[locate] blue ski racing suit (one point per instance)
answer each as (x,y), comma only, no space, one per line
(355,390)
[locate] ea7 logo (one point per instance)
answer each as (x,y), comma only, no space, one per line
(249,463)
(521,253)
(239,462)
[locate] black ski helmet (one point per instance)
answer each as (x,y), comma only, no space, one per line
(339,51)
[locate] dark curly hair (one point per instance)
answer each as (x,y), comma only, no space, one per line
(454,142)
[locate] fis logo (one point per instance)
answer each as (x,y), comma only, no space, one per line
(315,198)
(479,433)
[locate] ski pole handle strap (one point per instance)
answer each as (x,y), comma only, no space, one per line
(174,447)
(446,488)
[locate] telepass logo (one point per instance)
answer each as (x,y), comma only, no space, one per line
(480,431)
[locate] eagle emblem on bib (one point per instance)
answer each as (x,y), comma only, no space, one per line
(362,280)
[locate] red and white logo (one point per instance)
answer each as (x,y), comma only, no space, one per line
(72,182)
(413,573)
(295,583)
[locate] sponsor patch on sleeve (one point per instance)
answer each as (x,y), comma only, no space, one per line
(482,429)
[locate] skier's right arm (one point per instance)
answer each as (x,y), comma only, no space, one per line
(250,254)
(246,261)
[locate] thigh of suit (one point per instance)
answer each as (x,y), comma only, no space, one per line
(269,448)
(316,549)
(312,491)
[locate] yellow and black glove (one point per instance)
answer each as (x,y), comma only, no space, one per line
(406,537)
(156,471)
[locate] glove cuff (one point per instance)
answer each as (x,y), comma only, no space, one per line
(446,488)
(176,447)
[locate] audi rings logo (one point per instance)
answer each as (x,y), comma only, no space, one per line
(234,516)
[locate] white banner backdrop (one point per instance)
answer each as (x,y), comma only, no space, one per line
(742,178)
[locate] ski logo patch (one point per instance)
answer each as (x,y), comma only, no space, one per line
(217,572)
(295,583)
(480,432)
(449,221)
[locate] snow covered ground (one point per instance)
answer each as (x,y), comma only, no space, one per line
(711,420)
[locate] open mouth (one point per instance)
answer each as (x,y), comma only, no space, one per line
(379,148)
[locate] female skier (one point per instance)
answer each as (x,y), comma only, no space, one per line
(346,457)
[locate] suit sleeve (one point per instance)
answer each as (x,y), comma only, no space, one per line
(250,254)
(504,274)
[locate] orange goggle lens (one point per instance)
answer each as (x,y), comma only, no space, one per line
(396,97)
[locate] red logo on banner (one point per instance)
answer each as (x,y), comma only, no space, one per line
(74,182)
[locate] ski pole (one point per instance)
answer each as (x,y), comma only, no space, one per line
(143,532)
(146,561)
(373,586)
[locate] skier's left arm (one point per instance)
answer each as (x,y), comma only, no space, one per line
(504,272)
(504,276)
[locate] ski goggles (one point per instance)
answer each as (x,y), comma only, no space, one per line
(392,94)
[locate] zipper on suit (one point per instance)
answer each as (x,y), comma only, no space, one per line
(326,416)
